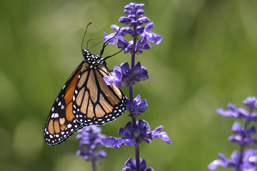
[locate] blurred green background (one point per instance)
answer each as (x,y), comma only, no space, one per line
(207,59)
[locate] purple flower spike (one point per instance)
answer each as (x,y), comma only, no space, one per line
(246,160)
(135,20)
(131,166)
(90,138)
(137,107)
(138,27)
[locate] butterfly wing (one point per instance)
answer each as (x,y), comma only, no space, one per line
(61,123)
(94,102)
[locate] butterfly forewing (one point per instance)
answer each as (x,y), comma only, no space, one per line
(85,99)
(61,123)
(94,102)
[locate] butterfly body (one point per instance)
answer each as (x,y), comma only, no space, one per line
(85,99)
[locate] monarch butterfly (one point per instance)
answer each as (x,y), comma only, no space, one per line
(85,99)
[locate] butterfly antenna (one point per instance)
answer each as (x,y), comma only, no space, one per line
(106,43)
(84,36)
(115,53)
(94,44)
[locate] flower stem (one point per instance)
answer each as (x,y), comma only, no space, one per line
(93,165)
(242,147)
(137,155)
(131,96)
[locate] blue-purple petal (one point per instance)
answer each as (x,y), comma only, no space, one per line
(125,69)
(112,142)
(247,167)
(151,36)
(142,75)
(235,156)
(125,20)
(137,68)
(236,138)
(126,30)
(143,43)
(117,72)
(129,142)
(109,80)
(121,43)
(143,20)
(110,38)
(226,112)
(215,164)
(129,48)
(236,128)
(232,107)
(163,135)
(242,113)
(250,156)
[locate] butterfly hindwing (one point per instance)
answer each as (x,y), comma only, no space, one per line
(61,123)
(94,102)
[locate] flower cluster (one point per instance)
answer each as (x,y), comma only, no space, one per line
(135,19)
(136,131)
(136,134)
(131,166)
(90,138)
(125,74)
(244,159)
(137,106)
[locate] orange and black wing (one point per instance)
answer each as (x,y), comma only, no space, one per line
(94,102)
(61,123)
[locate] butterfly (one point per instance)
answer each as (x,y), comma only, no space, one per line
(85,99)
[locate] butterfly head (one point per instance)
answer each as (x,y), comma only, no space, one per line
(92,59)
